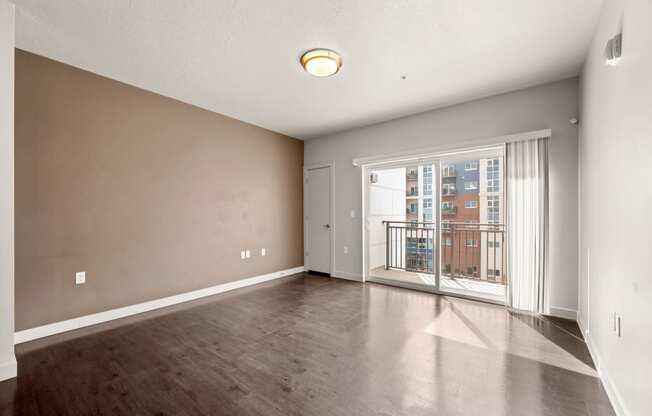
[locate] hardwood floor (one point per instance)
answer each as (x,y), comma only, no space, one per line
(309,345)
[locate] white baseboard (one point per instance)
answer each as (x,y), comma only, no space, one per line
(566,313)
(612,392)
(97,318)
(8,369)
(347,276)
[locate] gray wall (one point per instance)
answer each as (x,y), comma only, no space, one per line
(547,106)
(615,204)
(150,196)
(7,360)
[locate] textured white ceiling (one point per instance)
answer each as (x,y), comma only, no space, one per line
(240,57)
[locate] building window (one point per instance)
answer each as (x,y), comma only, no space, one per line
(448,189)
(447,241)
(493,209)
(493,244)
(413,207)
(427,203)
(471,165)
(471,242)
(493,176)
(448,205)
(445,225)
(470,204)
(413,191)
(493,272)
(448,171)
(471,185)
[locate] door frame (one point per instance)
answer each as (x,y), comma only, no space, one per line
(366,169)
(331,165)
(420,159)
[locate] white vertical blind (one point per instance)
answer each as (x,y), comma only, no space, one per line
(527,224)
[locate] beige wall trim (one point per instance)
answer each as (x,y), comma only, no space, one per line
(97,318)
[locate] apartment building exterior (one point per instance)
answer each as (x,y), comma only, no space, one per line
(471,200)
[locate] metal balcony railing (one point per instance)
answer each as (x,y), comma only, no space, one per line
(409,246)
(466,250)
(474,251)
(449,210)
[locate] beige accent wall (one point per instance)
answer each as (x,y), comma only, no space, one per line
(149,196)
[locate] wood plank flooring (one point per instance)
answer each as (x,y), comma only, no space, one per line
(309,345)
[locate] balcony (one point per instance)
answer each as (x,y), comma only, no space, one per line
(413,175)
(472,257)
(449,210)
(412,194)
(448,191)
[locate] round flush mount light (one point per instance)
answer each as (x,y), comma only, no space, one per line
(321,62)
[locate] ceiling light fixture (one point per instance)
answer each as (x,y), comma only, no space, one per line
(321,62)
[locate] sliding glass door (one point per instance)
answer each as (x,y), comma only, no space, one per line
(472,230)
(438,225)
(401,227)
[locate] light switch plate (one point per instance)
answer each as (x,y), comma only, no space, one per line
(80,278)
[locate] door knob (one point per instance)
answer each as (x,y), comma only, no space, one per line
(327,225)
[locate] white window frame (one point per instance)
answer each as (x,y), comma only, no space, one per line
(473,187)
(471,204)
(470,165)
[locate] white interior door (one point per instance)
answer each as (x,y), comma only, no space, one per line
(319,228)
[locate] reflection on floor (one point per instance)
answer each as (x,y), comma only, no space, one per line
(475,288)
(311,345)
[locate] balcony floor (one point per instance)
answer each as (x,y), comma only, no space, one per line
(494,292)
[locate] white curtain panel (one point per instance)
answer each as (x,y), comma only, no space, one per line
(527,224)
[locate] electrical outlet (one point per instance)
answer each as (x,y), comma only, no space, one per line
(248,253)
(243,255)
(80,278)
(346,250)
(263,252)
